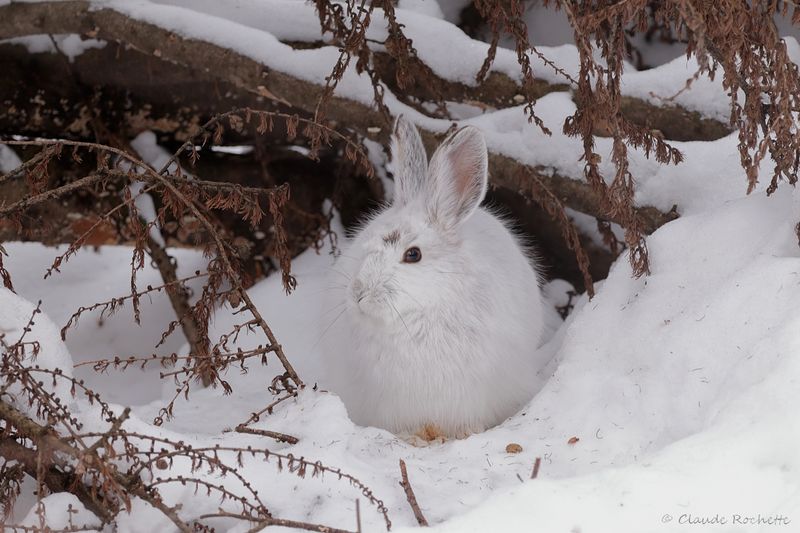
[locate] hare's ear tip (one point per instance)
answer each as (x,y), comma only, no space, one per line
(467,135)
(470,131)
(401,123)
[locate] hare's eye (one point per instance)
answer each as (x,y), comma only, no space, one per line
(412,255)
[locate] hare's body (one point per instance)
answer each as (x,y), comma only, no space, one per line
(448,339)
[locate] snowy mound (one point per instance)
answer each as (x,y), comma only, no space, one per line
(670,402)
(669,394)
(40,348)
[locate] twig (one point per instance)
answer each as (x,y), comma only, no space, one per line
(44,436)
(103,441)
(55,480)
(412,499)
(150,174)
(266,522)
(255,417)
(280,437)
(536,464)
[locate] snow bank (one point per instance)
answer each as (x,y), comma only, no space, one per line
(680,389)
(61,511)
(16,316)
(669,404)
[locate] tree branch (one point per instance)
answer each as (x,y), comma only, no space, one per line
(250,76)
(45,438)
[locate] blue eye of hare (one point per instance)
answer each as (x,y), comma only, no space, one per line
(412,255)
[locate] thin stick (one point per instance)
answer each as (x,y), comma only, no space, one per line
(266,522)
(255,417)
(536,464)
(412,499)
(280,437)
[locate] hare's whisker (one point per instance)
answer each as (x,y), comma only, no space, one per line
(410,296)
(344,274)
(329,327)
(326,289)
(401,319)
(334,308)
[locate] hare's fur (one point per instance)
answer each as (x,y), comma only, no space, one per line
(449,341)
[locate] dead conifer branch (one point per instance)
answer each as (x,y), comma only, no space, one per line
(74,16)
(550,203)
(182,196)
(54,479)
(114,465)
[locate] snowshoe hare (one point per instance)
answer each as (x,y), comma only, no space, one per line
(438,304)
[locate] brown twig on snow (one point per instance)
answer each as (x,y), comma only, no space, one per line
(536,464)
(280,437)
(412,499)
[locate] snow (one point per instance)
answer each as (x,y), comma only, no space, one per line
(680,387)
(16,316)
(60,511)
(93,276)
(693,185)
(145,145)
(9,160)
(72,45)
(430,8)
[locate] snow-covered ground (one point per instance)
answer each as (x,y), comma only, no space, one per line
(670,403)
(681,389)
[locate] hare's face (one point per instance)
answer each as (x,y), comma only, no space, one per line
(400,267)
(406,263)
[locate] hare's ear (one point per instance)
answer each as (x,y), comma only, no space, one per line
(459,176)
(410,161)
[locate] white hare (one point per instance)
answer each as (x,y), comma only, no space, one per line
(440,307)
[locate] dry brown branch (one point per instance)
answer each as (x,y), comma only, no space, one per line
(555,209)
(255,417)
(75,17)
(113,465)
(410,496)
(196,331)
(184,199)
(45,437)
(54,479)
